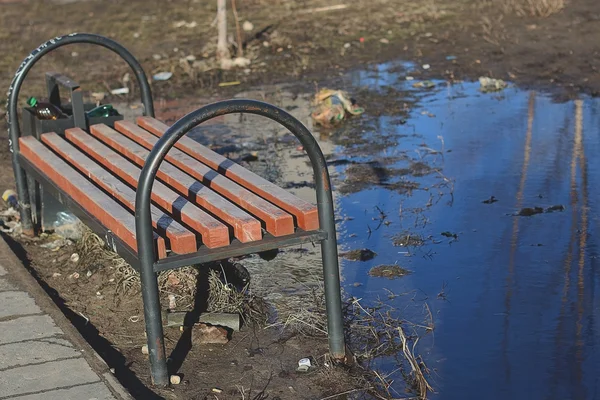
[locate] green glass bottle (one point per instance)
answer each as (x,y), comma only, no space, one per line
(104,110)
(45,110)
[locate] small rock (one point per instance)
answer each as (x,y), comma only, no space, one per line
(74,54)
(156,56)
(145,349)
(426,66)
(247,26)
(346,45)
(384,41)
(208,334)
(136,35)
(74,257)
(266,44)
(162,76)
(175,379)
(191,57)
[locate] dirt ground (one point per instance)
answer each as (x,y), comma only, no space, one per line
(292,40)
(289,41)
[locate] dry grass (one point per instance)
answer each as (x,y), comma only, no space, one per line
(534,8)
(224,297)
(373,333)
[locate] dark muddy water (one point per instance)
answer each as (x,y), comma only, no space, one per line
(513,297)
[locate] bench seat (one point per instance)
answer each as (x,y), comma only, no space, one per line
(201,200)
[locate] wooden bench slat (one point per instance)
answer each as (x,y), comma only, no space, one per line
(111,214)
(277,221)
(182,241)
(305,212)
(246,227)
(214,233)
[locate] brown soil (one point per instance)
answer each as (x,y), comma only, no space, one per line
(291,41)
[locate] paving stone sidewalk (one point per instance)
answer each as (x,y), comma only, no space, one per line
(37,361)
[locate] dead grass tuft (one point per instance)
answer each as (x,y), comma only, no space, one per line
(224,297)
(534,8)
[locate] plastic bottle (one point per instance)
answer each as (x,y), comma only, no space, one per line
(45,110)
(104,110)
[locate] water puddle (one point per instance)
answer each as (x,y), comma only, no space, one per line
(477,205)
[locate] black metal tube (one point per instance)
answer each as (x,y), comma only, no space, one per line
(13,95)
(324,203)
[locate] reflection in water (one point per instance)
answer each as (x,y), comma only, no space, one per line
(515,233)
(517,314)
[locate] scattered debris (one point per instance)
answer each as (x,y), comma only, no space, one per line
(408,240)
(388,271)
(10,198)
(424,84)
(88,274)
(232,83)
(123,90)
(217,390)
(172,302)
(558,207)
(384,41)
(331,107)
(74,257)
(426,66)
(491,200)
(68,226)
(451,58)
(56,274)
(247,26)
(449,235)
(185,24)
(162,76)
(175,379)
(56,245)
(491,84)
(74,275)
(410,78)
(529,211)
(98,96)
(145,349)
(359,255)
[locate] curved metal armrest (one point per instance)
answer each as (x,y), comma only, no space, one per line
(53,44)
(143,223)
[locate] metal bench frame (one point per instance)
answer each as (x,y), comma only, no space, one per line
(145,261)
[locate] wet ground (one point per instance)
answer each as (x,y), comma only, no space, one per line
(475,206)
(512,296)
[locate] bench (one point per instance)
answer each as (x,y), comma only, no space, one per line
(160,199)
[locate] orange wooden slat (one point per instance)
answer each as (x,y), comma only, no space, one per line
(246,227)
(111,214)
(214,233)
(182,241)
(305,212)
(277,221)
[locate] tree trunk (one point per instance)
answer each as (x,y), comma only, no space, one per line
(222,48)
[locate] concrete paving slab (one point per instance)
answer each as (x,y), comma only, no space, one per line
(28,328)
(34,352)
(44,377)
(17,303)
(94,391)
(6,285)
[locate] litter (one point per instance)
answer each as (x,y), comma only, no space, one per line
(123,90)
(162,76)
(10,198)
(331,107)
(424,84)
(232,83)
(304,365)
(491,84)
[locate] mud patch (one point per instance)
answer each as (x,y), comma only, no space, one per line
(388,271)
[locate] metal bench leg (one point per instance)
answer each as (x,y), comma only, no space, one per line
(22,194)
(333,298)
(154,328)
